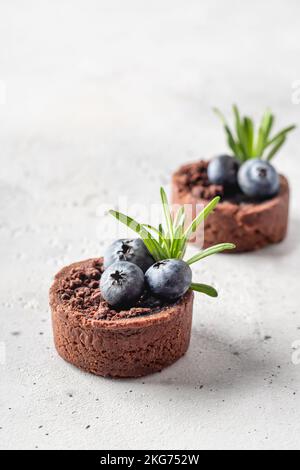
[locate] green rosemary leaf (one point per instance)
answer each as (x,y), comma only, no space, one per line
(161,230)
(176,245)
(263,133)
(164,242)
(277,145)
(241,132)
(161,241)
(220,115)
(150,227)
(201,217)
(268,124)
(211,251)
(161,249)
(167,213)
(204,289)
(161,233)
(249,131)
(259,148)
(239,152)
(237,115)
(179,232)
(233,145)
(180,217)
(181,249)
(151,244)
(282,133)
(129,221)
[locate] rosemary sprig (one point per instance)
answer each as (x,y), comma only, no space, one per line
(245,143)
(171,241)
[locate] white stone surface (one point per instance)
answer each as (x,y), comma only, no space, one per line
(101,99)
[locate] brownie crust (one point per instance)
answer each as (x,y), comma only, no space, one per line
(132,346)
(250,225)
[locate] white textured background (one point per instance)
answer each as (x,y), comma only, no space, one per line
(105,98)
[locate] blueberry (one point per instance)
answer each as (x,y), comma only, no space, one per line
(133,251)
(122,284)
(223,170)
(258,179)
(169,279)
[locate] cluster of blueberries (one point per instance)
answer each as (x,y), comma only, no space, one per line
(256,178)
(129,269)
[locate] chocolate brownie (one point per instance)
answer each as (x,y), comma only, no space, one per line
(110,342)
(248,223)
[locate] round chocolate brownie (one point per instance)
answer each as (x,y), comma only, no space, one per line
(248,223)
(110,342)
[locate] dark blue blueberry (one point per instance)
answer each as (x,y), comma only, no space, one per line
(133,251)
(122,284)
(223,170)
(169,279)
(258,179)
